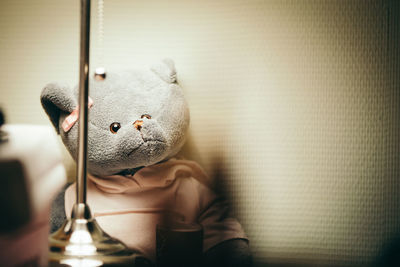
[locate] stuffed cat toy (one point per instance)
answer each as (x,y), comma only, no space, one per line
(138,121)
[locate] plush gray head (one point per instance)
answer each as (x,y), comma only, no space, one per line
(138,118)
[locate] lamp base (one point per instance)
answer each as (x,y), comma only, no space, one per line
(81,242)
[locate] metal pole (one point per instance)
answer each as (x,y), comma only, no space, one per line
(83,103)
(102,248)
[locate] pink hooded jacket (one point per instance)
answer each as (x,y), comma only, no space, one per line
(129,207)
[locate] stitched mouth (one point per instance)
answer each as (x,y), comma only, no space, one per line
(150,141)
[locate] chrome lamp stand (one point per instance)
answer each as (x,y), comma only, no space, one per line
(80,241)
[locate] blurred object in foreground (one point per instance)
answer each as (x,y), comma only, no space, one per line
(31,172)
(179,244)
(3,135)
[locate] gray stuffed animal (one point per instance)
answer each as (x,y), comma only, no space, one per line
(137,124)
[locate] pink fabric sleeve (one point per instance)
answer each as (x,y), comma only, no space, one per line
(216,218)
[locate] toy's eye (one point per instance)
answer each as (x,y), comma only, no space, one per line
(114,127)
(147,116)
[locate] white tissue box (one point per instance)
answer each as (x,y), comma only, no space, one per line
(31,173)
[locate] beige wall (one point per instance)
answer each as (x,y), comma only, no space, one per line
(294,106)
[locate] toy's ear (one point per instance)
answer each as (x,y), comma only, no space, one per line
(165,70)
(56,99)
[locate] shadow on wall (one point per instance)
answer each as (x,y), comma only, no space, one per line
(390,254)
(221,177)
(389,257)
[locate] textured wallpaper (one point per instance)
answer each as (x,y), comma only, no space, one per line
(295,106)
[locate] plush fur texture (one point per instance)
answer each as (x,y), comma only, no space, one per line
(125,97)
(152,96)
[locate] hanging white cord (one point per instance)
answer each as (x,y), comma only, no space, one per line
(100,30)
(100,73)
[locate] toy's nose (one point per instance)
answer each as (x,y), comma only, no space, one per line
(138,124)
